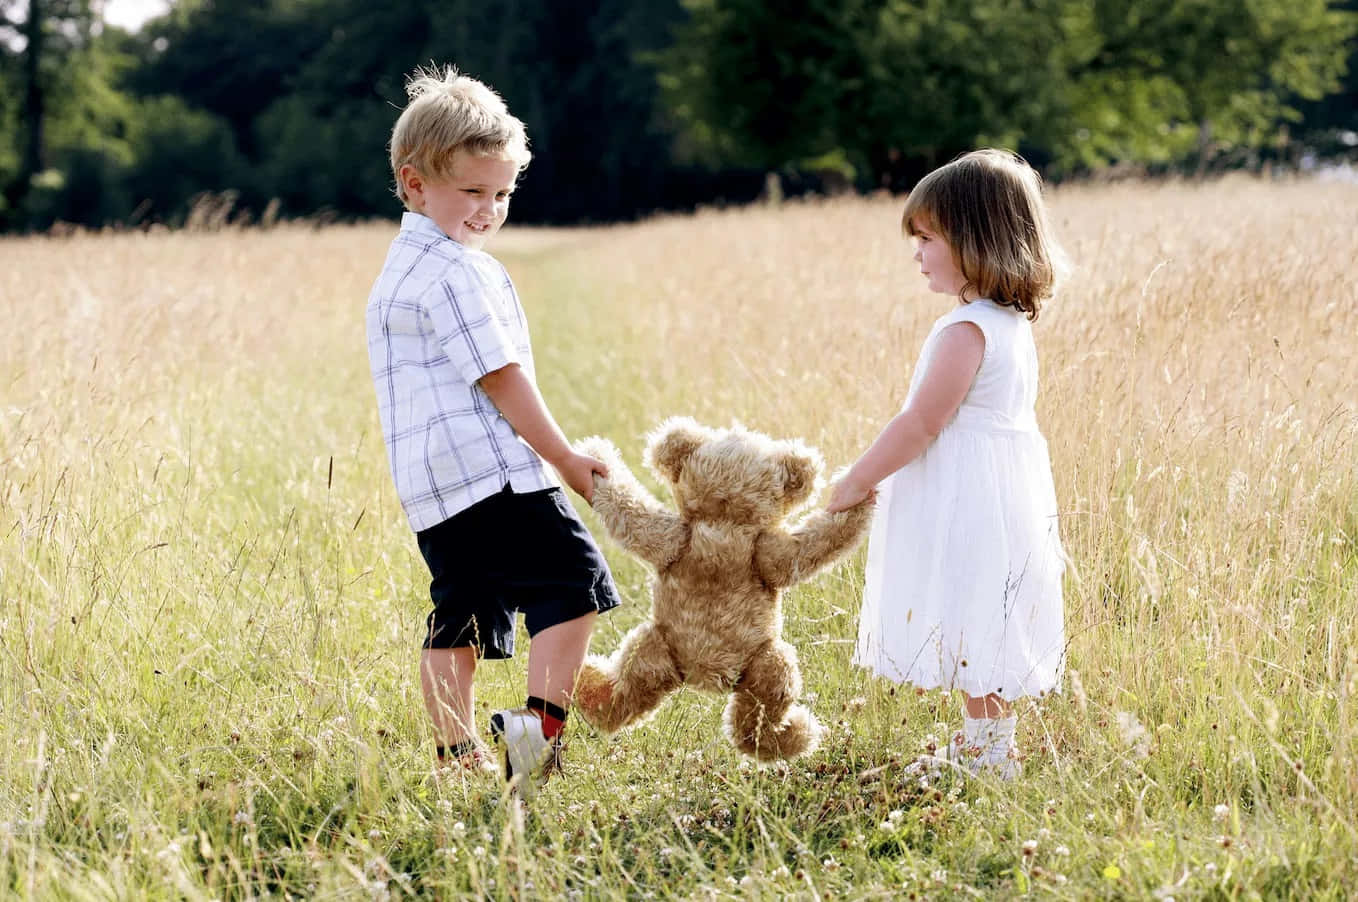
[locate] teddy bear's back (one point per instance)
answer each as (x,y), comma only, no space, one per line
(713,608)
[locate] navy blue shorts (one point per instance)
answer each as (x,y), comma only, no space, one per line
(508,553)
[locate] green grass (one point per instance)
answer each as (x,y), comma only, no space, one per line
(210,604)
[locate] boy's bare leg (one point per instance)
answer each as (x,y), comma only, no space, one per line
(554,658)
(449,694)
(531,735)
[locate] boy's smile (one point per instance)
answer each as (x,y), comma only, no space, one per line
(471,204)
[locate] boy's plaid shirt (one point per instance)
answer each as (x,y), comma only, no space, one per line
(440,317)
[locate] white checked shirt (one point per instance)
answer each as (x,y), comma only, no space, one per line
(440,317)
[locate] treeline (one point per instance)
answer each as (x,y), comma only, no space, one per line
(283,107)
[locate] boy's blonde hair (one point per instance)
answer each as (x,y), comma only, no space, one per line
(988,206)
(450,112)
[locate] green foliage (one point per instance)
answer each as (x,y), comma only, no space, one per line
(314,112)
(650,104)
(334,159)
(900,86)
(231,59)
(1154,81)
(9,128)
(179,151)
(764,84)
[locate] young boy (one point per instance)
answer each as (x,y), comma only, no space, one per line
(467,434)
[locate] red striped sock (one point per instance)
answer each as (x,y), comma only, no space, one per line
(553,716)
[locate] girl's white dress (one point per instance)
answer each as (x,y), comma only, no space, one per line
(963,586)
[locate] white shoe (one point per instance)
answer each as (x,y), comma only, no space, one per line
(528,754)
(970,760)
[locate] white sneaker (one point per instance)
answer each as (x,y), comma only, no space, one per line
(528,754)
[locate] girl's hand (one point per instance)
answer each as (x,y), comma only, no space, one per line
(847,494)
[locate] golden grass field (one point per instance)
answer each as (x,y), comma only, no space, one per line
(210,603)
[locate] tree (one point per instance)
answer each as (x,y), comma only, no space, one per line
(232,59)
(1156,80)
(29,27)
(1329,125)
(765,84)
(571,71)
(70,118)
(894,87)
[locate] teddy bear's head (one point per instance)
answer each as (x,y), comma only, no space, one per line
(732,475)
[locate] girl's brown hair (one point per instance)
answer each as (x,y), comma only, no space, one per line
(987,205)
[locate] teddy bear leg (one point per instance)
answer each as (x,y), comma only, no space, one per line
(616,692)
(762,718)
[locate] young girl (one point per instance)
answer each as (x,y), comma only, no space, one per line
(964,564)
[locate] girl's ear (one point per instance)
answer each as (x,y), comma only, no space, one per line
(671,445)
(800,466)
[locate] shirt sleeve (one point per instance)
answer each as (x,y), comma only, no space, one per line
(467,314)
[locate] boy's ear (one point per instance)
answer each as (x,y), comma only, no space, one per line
(671,445)
(800,466)
(411,180)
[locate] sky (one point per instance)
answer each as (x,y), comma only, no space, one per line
(130,14)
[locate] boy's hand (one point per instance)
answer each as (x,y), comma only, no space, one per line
(847,494)
(577,470)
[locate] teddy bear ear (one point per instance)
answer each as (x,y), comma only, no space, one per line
(672,443)
(800,466)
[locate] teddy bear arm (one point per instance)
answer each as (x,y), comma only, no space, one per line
(785,558)
(637,521)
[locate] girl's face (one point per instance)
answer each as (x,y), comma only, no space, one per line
(936,260)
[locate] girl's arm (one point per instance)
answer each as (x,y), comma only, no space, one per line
(945,385)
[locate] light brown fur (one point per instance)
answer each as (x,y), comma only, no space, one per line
(721,562)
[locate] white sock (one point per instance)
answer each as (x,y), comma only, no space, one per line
(994,736)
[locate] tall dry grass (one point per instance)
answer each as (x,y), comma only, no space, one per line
(209,601)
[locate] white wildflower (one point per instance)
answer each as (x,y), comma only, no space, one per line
(1135,736)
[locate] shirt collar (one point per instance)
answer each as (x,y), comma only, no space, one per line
(418,222)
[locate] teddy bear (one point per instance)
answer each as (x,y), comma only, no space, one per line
(721,562)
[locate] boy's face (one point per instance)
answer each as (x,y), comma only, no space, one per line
(471,204)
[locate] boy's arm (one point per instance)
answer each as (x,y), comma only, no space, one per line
(519,401)
(785,558)
(632,515)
